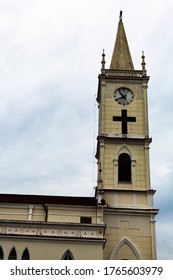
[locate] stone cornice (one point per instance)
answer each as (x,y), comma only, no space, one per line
(118,139)
(131,211)
(47,230)
(129,190)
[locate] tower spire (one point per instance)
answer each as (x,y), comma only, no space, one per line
(121,57)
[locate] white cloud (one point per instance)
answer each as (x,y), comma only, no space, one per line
(164,239)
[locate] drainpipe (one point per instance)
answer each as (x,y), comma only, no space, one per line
(46,211)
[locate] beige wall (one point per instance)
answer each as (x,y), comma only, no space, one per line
(109,108)
(51,249)
(129,237)
(56,213)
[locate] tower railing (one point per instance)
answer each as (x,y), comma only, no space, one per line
(125,73)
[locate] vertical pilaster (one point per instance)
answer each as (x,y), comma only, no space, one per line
(30,212)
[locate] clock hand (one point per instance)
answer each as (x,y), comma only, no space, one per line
(118,97)
(122,94)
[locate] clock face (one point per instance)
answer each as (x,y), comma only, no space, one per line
(123,96)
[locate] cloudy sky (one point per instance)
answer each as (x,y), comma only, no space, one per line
(50,53)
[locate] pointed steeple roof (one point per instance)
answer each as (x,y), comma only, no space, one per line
(121,57)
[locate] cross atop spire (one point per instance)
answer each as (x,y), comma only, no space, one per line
(121,13)
(121,57)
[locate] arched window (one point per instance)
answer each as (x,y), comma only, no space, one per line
(1,254)
(67,256)
(124,168)
(124,250)
(25,255)
(12,255)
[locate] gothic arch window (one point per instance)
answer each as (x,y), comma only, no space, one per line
(125,250)
(25,255)
(124,168)
(67,256)
(1,254)
(12,255)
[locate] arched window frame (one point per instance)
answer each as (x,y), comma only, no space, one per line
(124,149)
(118,246)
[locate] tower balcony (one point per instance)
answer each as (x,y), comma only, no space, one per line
(132,74)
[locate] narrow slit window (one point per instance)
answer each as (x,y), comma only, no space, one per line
(1,254)
(12,255)
(25,255)
(68,256)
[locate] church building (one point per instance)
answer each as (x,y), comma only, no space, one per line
(119,221)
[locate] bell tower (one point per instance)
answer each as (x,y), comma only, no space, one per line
(124,192)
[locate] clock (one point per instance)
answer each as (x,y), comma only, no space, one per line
(123,96)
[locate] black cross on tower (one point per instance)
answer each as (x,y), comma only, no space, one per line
(124,120)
